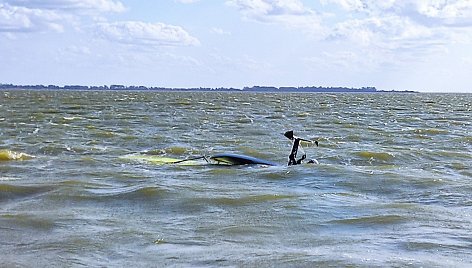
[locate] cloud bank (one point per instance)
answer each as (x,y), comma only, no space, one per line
(146,34)
(289,13)
(15,19)
(391,24)
(388,25)
(71,5)
(26,16)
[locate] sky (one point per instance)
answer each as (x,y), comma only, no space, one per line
(421,45)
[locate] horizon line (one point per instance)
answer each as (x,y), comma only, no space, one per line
(255,88)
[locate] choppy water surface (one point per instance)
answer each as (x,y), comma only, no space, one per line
(393,187)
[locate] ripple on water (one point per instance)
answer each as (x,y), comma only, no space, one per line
(376,220)
(382,156)
(26,221)
(11,192)
(392,187)
(243,200)
(102,193)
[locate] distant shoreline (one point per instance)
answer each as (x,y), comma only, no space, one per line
(268,89)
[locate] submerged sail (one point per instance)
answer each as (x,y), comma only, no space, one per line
(237,159)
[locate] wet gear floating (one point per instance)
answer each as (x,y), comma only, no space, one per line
(230,159)
(292,158)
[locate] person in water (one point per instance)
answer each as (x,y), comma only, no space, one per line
(292,158)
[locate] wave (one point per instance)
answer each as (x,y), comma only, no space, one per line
(172,150)
(375,155)
(9,192)
(94,194)
(21,221)
(372,220)
(8,155)
(243,200)
(431,131)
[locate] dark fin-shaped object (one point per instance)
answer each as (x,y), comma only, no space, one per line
(236,159)
(289,134)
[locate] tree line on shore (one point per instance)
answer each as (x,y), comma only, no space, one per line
(245,89)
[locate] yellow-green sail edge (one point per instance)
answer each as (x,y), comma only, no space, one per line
(161,160)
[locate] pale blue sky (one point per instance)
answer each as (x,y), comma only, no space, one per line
(423,45)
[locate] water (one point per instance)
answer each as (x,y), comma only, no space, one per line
(393,187)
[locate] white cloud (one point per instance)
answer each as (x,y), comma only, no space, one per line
(429,12)
(219,31)
(449,13)
(405,27)
(186,1)
(71,5)
(445,9)
(146,34)
(22,19)
(349,5)
(54,15)
(290,13)
(388,32)
(419,25)
(46,15)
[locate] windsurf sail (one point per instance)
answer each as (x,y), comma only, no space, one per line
(162,160)
(228,159)
(237,159)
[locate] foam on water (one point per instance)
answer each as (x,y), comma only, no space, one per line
(8,155)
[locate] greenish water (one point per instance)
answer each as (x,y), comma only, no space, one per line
(393,187)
